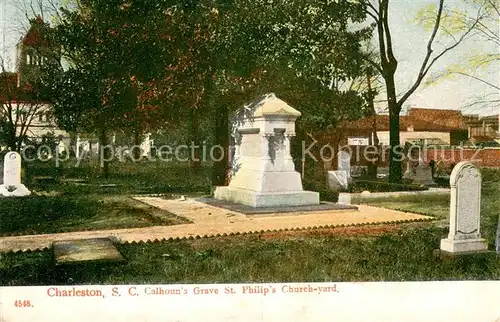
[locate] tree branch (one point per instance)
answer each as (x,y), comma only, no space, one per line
(423,70)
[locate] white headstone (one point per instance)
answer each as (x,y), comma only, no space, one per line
(344,198)
(12,169)
(12,185)
(465,211)
(77,152)
(264,172)
(146,145)
(338,179)
(344,162)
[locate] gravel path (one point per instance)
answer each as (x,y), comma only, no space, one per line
(208,221)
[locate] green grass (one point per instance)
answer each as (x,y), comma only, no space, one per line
(433,205)
(129,178)
(438,205)
(54,214)
(404,255)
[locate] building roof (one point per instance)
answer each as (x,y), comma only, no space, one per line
(420,119)
(476,119)
(34,37)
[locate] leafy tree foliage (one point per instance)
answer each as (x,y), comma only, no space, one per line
(146,64)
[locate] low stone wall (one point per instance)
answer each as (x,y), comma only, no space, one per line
(486,157)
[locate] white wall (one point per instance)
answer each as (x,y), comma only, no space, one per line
(383,136)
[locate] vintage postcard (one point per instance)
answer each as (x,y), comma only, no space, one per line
(249,160)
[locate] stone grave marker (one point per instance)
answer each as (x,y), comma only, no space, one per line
(410,170)
(12,169)
(12,185)
(338,180)
(465,211)
(146,145)
(344,198)
(423,174)
(86,250)
(344,162)
(265,174)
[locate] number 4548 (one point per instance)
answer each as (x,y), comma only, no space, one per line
(22,303)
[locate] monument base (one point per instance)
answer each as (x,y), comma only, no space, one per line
(464,245)
(267,199)
(19,190)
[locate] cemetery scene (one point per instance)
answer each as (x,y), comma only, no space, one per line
(214,142)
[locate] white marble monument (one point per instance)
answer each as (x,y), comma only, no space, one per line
(12,186)
(264,172)
(465,210)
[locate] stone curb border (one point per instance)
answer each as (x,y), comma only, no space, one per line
(244,233)
(374,195)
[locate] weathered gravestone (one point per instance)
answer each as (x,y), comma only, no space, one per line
(344,162)
(423,174)
(12,186)
(341,178)
(265,174)
(410,170)
(86,250)
(465,210)
(338,180)
(146,146)
(344,198)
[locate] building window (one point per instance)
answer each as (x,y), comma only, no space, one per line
(40,117)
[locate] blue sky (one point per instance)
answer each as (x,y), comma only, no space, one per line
(409,44)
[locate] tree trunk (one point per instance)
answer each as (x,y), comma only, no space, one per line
(372,166)
(194,138)
(136,150)
(396,151)
(11,137)
(72,144)
(104,152)
(220,166)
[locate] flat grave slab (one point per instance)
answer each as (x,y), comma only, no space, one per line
(248,210)
(86,250)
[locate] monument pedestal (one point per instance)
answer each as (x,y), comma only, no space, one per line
(267,199)
(265,174)
(19,190)
(464,245)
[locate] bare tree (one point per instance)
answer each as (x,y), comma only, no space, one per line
(20,106)
(480,62)
(387,66)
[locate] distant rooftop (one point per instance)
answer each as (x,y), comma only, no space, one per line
(419,119)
